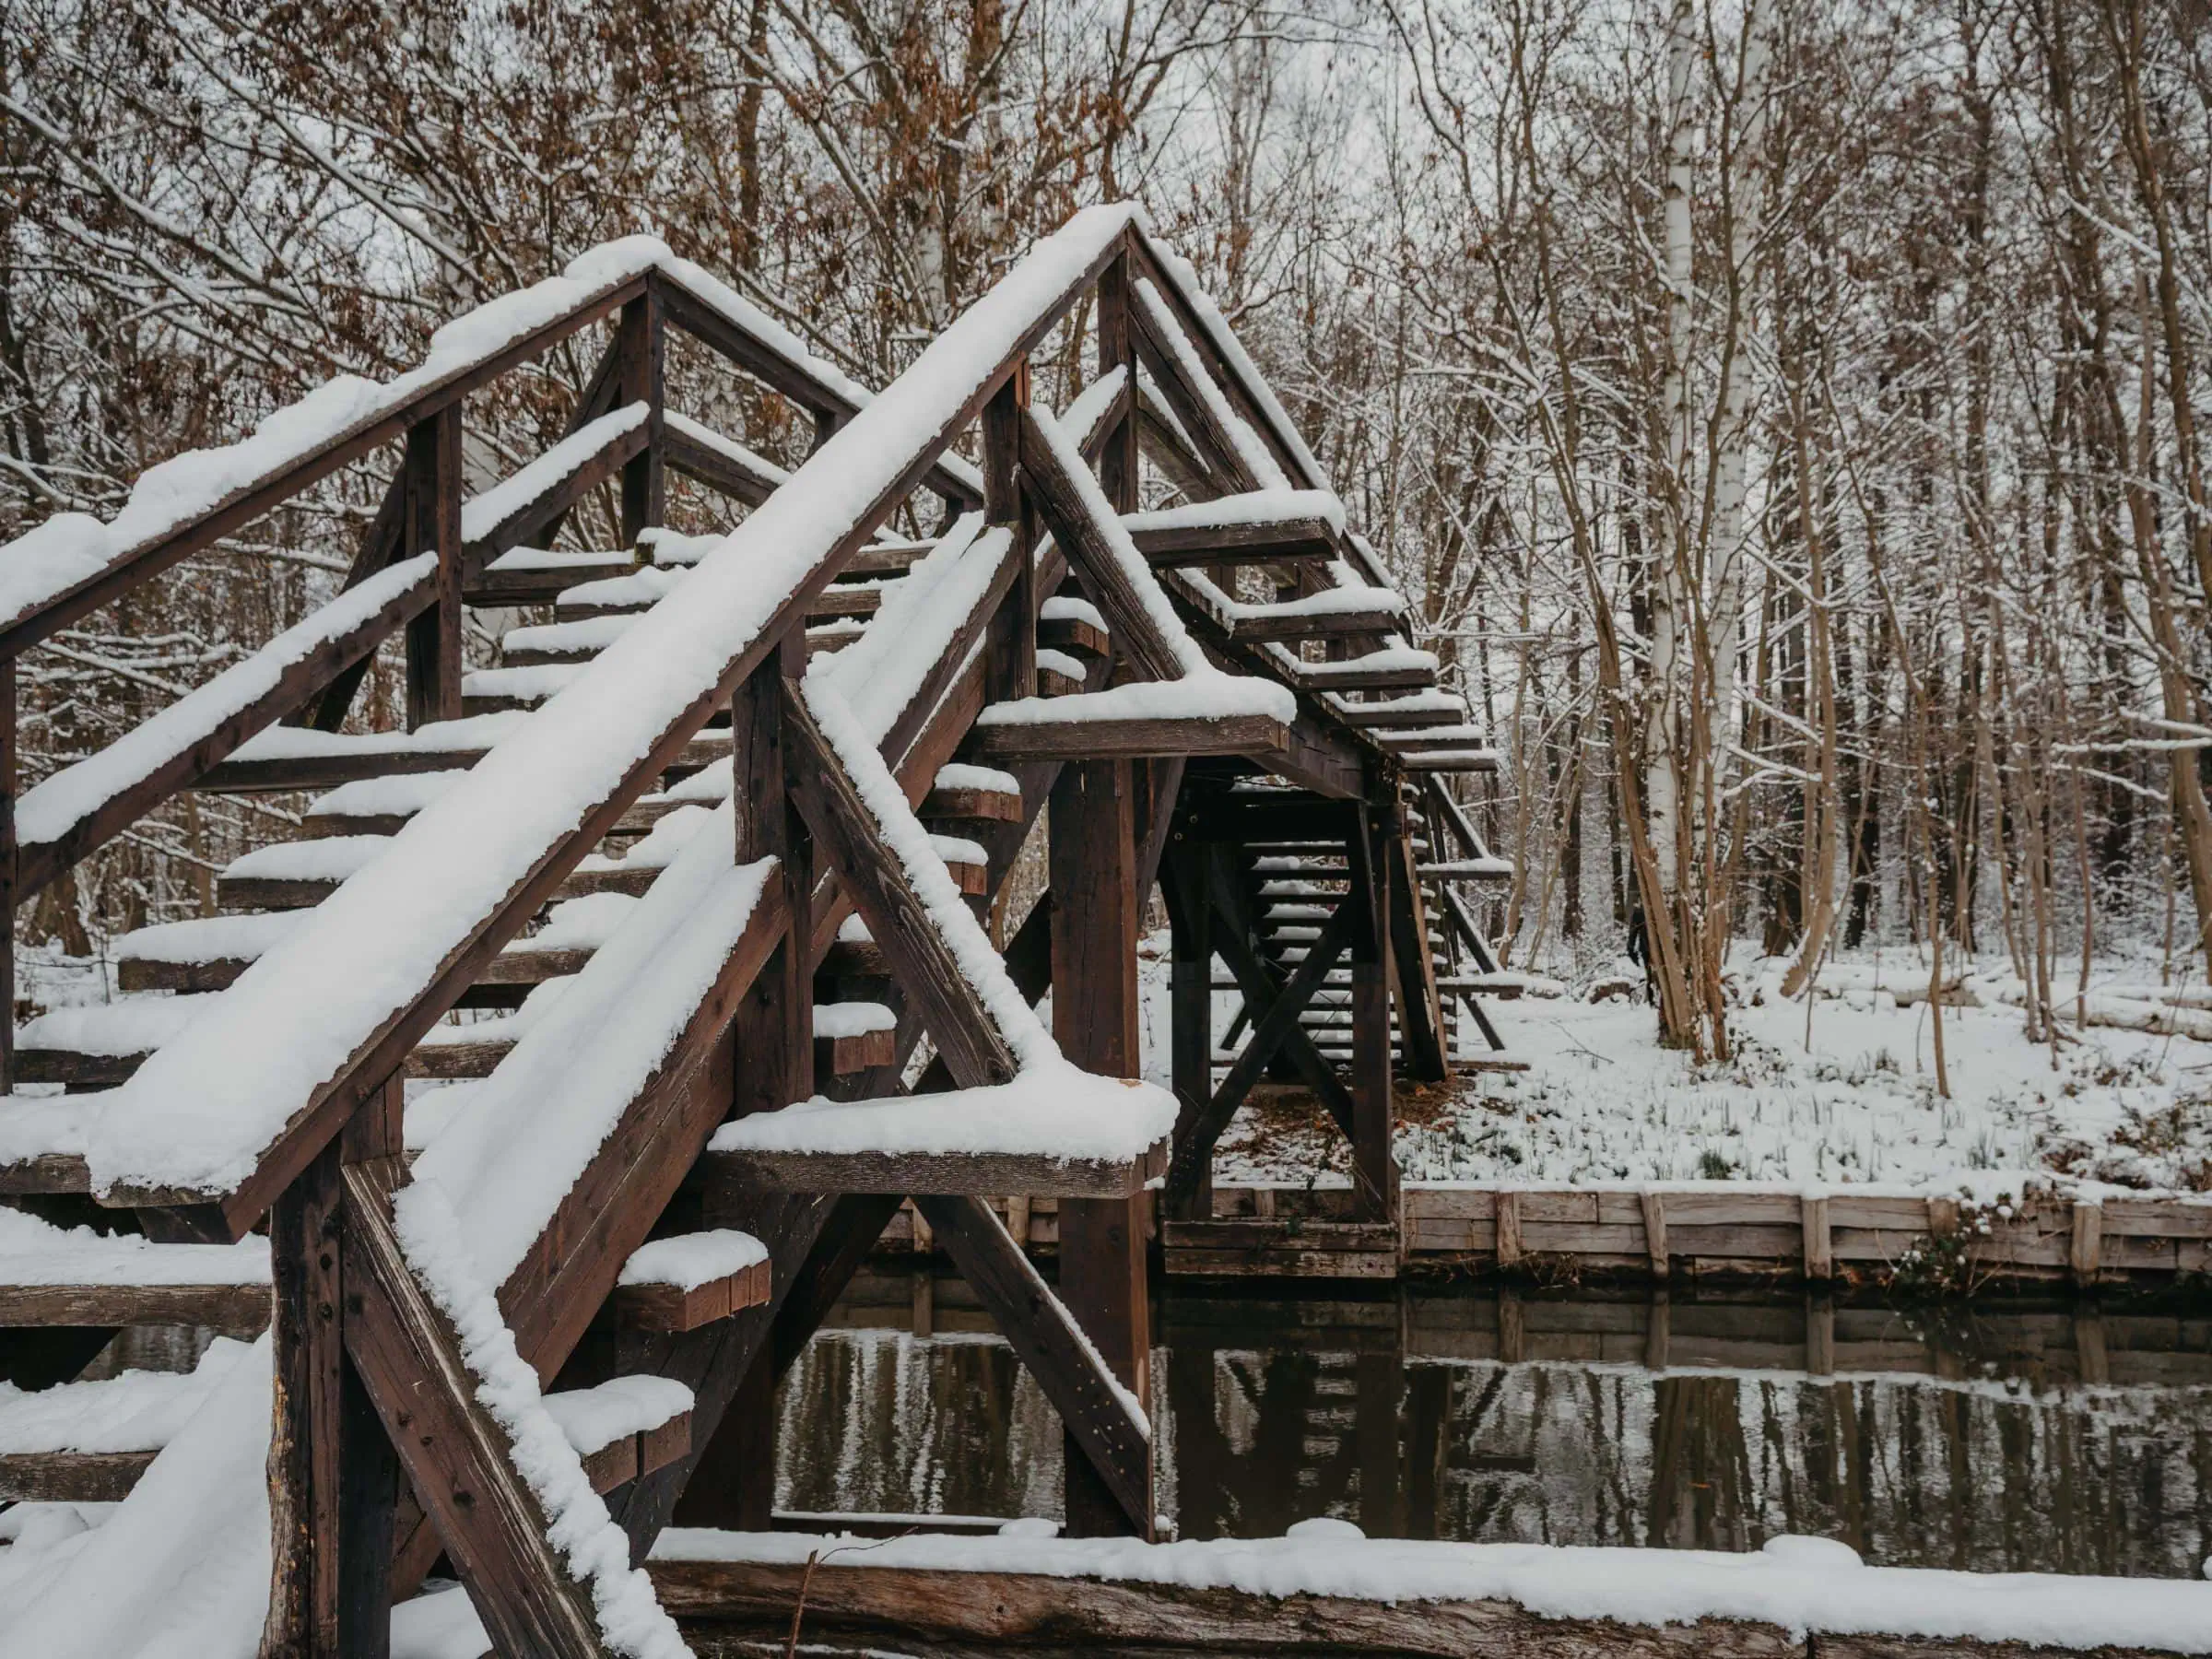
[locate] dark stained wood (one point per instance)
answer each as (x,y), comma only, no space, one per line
(842,1056)
(1389,716)
(1309,625)
(1299,538)
(75,1070)
(838,1253)
(1040,1327)
(992,806)
(985,1174)
(612,458)
(458,1458)
(1216,454)
(378,547)
(305,1438)
(327,771)
(542,584)
(1186,880)
(1413,967)
(1120,476)
(670,1308)
(1366,903)
(1138,737)
(430,522)
(1260,986)
(639,348)
(1092,861)
(718,469)
(853,846)
(11,877)
(1348,675)
(1075,636)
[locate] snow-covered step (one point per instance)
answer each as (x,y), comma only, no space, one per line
(887,556)
(1464,759)
(89,1442)
(473,1047)
(970,865)
(204,953)
(626,1427)
(295,874)
(1058,674)
(982,793)
(851,1037)
(375,806)
(492,690)
(1421,709)
(100,1044)
(549,644)
(834,636)
(1075,626)
(636,868)
(303,758)
(72,1275)
(1396,667)
(687,1280)
(850,599)
(533,575)
(1333,613)
(1466,869)
(641,589)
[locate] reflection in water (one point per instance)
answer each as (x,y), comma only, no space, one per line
(1968,1441)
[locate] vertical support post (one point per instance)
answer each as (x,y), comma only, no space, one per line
(9,680)
(431,522)
(334,1479)
(1374,1171)
(1010,648)
(1190,1006)
(640,345)
(304,1437)
(733,1481)
(1118,463)
(1093,872)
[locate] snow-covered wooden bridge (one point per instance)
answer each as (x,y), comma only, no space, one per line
(564,1067)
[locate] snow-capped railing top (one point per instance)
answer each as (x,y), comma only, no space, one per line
(73,563)
(233,1108)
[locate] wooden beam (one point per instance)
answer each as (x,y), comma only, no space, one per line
(1186,874)
(1413,966)
(1366,902)
(1065,507)
(717,468)
(305,1436)
(1043,1331)
(430,522)
(985,1174)
(1075,738)
(458,1459)
(853,845)
(1300,538)
(639,349)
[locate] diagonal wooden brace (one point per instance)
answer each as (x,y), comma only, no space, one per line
(459,1461)
(1045,1338)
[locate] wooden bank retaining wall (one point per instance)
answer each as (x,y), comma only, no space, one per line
(1705,1229)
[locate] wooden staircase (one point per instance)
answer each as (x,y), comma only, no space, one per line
(509,1071)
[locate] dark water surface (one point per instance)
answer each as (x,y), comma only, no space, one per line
(1999,1436)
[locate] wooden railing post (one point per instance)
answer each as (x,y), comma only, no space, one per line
(9,782)
(333,1477)
(734,1482)
(1374,1171)
(1094,870)
(1118,465)
(431,522)
(1010,651)
(640,344)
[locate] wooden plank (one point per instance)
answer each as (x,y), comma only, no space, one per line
(458,1458)
(307,1368)
(1509,1242)
(70,1477)
(1043,1331)
(430,522)
(2086,1256)
(1413,968)
(898,921)
(670,1308)
(1076,738)
(1819,1259)
(1035,1613)
(961,1173)
(1655,1230)
(234,1310)
(1299,538)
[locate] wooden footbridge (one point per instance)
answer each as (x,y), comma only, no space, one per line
(563,1067)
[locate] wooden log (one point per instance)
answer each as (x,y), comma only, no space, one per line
(1036,1613)
(458,1458)
(2086,1256)
(1510,1241)
(70,1477)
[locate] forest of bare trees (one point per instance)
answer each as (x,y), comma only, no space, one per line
(1784,413)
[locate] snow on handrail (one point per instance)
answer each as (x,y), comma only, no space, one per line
(72,553)
(203,1110)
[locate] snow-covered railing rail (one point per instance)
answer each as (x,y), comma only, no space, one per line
(232,1111)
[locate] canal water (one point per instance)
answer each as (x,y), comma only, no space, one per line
(1995,1436)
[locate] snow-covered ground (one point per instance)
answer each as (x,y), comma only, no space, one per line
(1845,1093)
